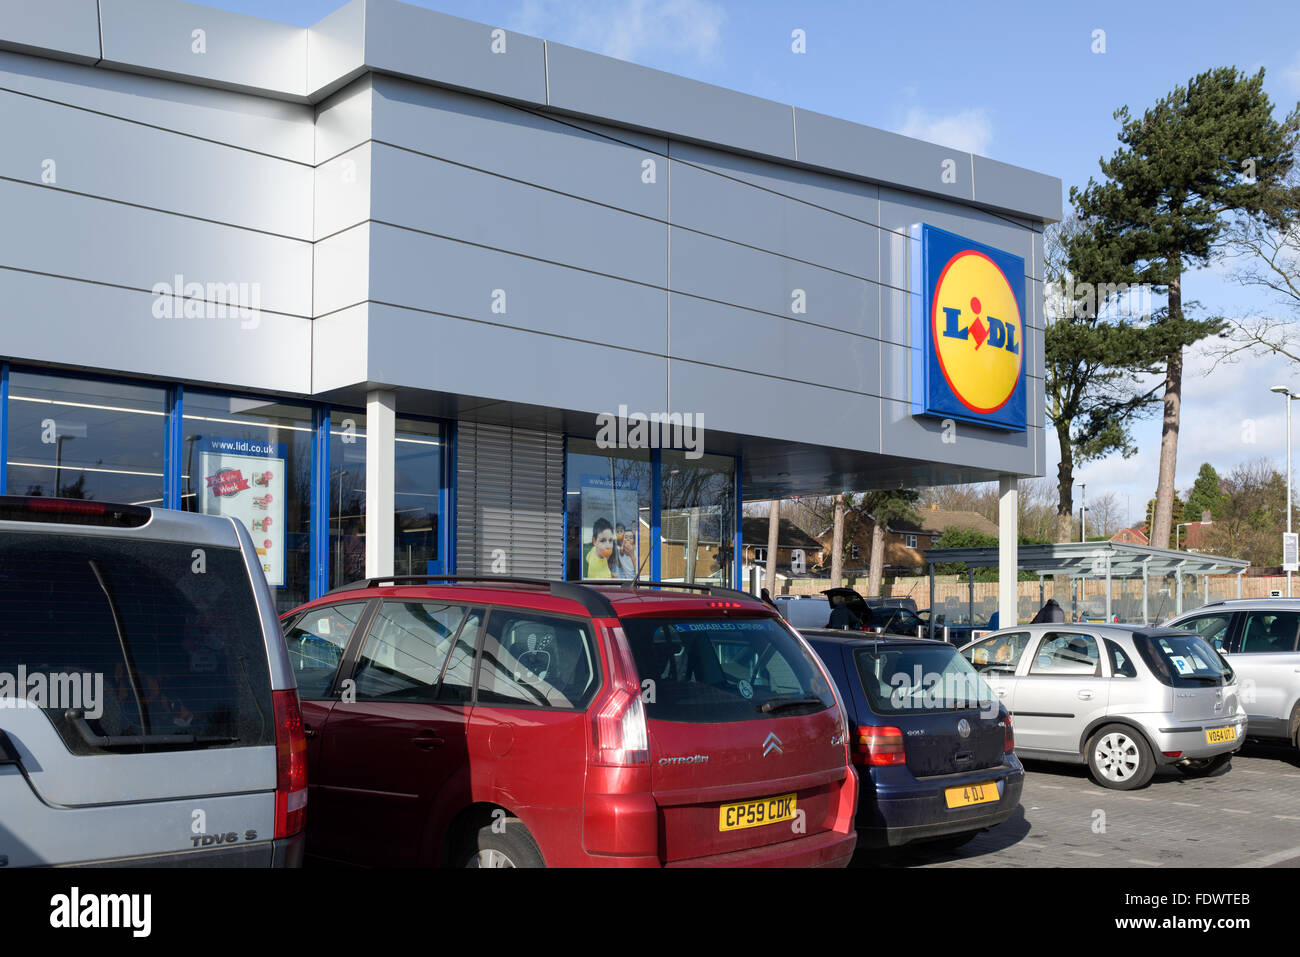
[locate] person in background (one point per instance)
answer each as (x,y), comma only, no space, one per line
(600,558)
(1051,612)
(623,564)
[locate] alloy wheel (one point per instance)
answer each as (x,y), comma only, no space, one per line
(1117,757)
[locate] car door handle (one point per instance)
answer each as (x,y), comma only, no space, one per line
(1085,695)
(427,740)
(1000,692)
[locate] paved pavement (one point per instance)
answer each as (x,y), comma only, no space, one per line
(1246,816)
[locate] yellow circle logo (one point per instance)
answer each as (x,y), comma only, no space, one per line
(977,331)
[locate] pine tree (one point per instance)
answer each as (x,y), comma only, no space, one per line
(1204,154)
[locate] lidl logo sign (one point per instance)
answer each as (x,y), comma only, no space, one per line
(968,330)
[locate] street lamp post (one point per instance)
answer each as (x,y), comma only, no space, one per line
(1289,395)
(1083,511)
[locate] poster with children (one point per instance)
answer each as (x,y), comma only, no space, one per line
(611,527)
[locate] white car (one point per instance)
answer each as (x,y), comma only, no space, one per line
(1122,699)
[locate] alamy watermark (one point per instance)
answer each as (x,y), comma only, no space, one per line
(214,300)
(658,430)
(1086,300)
(60,690)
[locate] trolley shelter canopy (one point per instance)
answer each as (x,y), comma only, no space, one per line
(1098,560)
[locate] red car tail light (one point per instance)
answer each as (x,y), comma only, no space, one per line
(1009,742)
(620,737)
(291,765)
(879,747)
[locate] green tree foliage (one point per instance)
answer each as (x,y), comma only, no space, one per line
(1091,394)
(1205,495)
(1203,154)
(1252,517)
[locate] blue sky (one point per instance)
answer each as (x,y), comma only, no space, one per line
(1016,81)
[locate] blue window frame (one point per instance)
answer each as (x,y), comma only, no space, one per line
(192,419)
(707,511)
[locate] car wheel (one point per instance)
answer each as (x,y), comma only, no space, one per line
(504,843)
(1119,758)
(1204,767)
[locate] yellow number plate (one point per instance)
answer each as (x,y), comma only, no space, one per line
(985,793)
(732,817)
(1220,735)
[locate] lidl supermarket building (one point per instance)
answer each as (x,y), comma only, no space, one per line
(376,288)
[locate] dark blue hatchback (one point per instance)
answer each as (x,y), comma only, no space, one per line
(933,748)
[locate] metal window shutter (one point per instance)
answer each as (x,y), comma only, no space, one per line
(510,493)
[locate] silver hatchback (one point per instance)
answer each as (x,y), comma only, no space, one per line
(1122,699)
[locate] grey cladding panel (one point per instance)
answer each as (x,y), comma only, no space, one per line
(600,86)
(922,437)
(849,197)
(66,27)
(734,338)
(80,238)
(878,155)
(734,274)
(424,350)
(113,159)
(476,207)
(236,50)
(519,144)
(416,42)
(1010,187)
(723,207)
(46,319)
(440,275)
(750,404)
(249,122)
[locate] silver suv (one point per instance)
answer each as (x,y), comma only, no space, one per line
(1258,636)
(1120,698)
(148,714)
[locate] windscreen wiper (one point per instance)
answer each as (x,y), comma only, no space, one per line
(131,671)
(780,704)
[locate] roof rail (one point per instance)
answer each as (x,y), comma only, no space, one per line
(591,599)
(719,590)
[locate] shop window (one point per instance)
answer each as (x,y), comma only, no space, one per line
(698,524)
(607,497)
(251,459)
(418,480)
(79,438)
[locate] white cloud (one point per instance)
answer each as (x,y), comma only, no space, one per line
(970,130)
(628,29)
(1228,418)
(1291,74)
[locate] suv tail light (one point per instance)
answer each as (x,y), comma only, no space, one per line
(1009,737)
(619,734)
(878,747)
(291,765)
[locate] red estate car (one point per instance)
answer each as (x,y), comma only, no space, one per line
(525,722)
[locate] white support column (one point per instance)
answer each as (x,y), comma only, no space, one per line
(381,443)
(1146,581)
(1008,551)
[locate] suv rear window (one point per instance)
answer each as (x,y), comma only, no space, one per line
(916,679)
(724,670)
(151,647)
(1182,661)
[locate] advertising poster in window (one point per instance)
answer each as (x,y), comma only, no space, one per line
(611,526)
(244,480)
